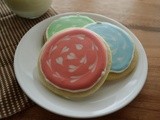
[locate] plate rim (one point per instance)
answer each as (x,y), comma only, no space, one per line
(131,98)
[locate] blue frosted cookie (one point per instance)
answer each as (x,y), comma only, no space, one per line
(124,54)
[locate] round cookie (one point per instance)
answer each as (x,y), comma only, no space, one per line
(124,53)
(74,63)
(67,22)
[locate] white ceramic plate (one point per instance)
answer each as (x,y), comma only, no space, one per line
(110,98)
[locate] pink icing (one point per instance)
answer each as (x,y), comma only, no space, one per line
(74,59)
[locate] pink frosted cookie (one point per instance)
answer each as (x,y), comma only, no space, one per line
(74,63)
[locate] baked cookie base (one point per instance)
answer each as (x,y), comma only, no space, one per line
(76,95)
(117,76)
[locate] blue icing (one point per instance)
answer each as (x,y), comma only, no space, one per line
(120,44)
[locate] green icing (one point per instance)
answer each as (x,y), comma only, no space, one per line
(67,22)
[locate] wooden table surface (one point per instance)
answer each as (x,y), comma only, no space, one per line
(142,17)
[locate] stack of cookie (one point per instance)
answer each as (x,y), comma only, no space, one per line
(80,54)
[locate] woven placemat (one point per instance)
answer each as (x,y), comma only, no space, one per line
(12,29)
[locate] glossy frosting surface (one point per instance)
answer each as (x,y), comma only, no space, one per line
(74,59)
(67,22)
(121,44)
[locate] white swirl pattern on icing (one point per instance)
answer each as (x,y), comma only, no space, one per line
(65,49)
(49,64)
(66,38)
(56,74)
(71,56)
(81,36)
(79,46)
(72,68)
(59,60)
(83,60)
(52,49)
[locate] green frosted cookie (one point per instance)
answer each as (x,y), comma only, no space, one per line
(67,22)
